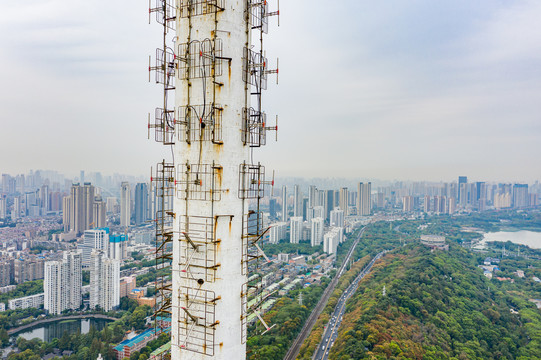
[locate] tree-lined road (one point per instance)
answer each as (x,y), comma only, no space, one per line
(310,322)
(331,331)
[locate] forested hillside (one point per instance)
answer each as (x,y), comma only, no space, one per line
(438,305)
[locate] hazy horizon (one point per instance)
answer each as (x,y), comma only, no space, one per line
(418,91)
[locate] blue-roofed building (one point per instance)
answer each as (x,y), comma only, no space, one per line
(129,346)
(118,245)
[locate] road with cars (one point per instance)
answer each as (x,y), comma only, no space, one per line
(331,330)
(309,324)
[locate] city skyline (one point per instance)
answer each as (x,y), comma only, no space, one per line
(446,90)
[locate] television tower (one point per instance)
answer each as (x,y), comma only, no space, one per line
(213,70)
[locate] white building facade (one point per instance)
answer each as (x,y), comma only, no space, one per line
(316,235)
(62,283)
(295,229)
(104,281)
(278,231)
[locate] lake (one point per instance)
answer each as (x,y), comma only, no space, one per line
(47,332)
(523,237)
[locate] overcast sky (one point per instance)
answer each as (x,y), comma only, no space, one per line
(416,89)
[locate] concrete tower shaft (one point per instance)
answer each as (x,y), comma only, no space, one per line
(206,235)
(207,251)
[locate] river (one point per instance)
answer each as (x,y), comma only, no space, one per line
(47,332)
(523,237)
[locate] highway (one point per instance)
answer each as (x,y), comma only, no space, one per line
(331,330)
(310,322)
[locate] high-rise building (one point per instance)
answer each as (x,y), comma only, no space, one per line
(462,195)
(16,211)
(127,284)
(440,205)
(93,239)
(329,205)
(79,208)
(312,196)
(3,207)
(332,239)
(295,229)
(344,200)
(118,246)
(451,206)
(316,237)
(297,201)
(44,199)
(364,199)
(125,204)
(100,219)
(337,217)
(278,231)
(272,208)
(27,270)
(284,203)
(5,183)
(141,203)
(427,204)
(104,281)
(318,211)
(408,203)
(62,284)
(380,200)
(5,273)
(521,198)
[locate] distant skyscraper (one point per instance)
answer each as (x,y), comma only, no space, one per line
(62,284)
(521,198)
(44,199)
(380,200)
(272,208)
(364,199)
(5,183)
(344,200)
(16,211)
(141,203)
(463,194)
(329,205)
(408,203)
(118,246)
(312,196)
(322,202)
(331,240)
(295,230)
(462,180)
(125,204)
(104,281)
(316,237)
(318,211)
(278,232)
(99,217)
(427,204)
(284,203)
(3,207)
(93,239)
(451,205)
(297,204)
(79,208)
(337,217)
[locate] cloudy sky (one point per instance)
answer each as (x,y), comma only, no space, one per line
(417,89)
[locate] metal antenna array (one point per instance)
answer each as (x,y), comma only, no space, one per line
(163,181)
(207,237)
(252,176)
